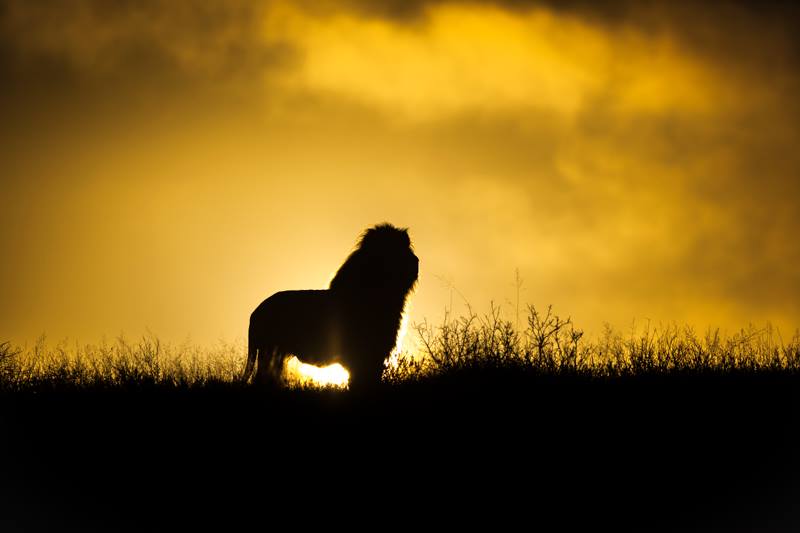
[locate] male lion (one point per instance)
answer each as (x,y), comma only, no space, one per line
(354,322)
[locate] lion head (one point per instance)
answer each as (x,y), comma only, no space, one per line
(383,261)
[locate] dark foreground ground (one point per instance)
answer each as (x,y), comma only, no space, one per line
(670,453)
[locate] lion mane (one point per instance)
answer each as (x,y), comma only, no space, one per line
(354,322)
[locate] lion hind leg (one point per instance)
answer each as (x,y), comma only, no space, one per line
(270,366)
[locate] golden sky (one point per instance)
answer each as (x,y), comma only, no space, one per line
(166,165)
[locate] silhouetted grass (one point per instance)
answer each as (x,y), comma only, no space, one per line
(145,363)
(485,346)
(551,345)
(663,429)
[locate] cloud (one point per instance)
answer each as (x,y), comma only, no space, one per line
(486,59)
(147,41)
(418,59)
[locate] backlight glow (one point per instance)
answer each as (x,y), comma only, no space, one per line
(302,374)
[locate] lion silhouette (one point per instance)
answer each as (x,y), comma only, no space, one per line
(354,322)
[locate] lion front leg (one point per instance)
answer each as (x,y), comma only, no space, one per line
(365,376)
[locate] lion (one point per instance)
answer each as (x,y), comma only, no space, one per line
(354,322)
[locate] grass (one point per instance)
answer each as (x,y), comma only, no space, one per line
(124,364)
(485,346)
(552,345)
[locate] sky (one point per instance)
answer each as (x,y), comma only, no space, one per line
(166,165)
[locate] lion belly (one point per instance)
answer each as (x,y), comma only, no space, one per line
(300,323)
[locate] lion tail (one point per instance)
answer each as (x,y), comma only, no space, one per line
(252,353)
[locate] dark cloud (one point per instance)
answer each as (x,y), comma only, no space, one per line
(152,41)
(740,33)
(80,43)
(606,11)
(403,11)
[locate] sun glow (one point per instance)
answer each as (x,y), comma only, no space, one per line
(302,374)
(401,332)
(400,349)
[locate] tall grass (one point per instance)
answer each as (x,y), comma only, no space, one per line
(146,362)
(547,344)
(550,344)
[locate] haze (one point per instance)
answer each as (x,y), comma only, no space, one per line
(167,165)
